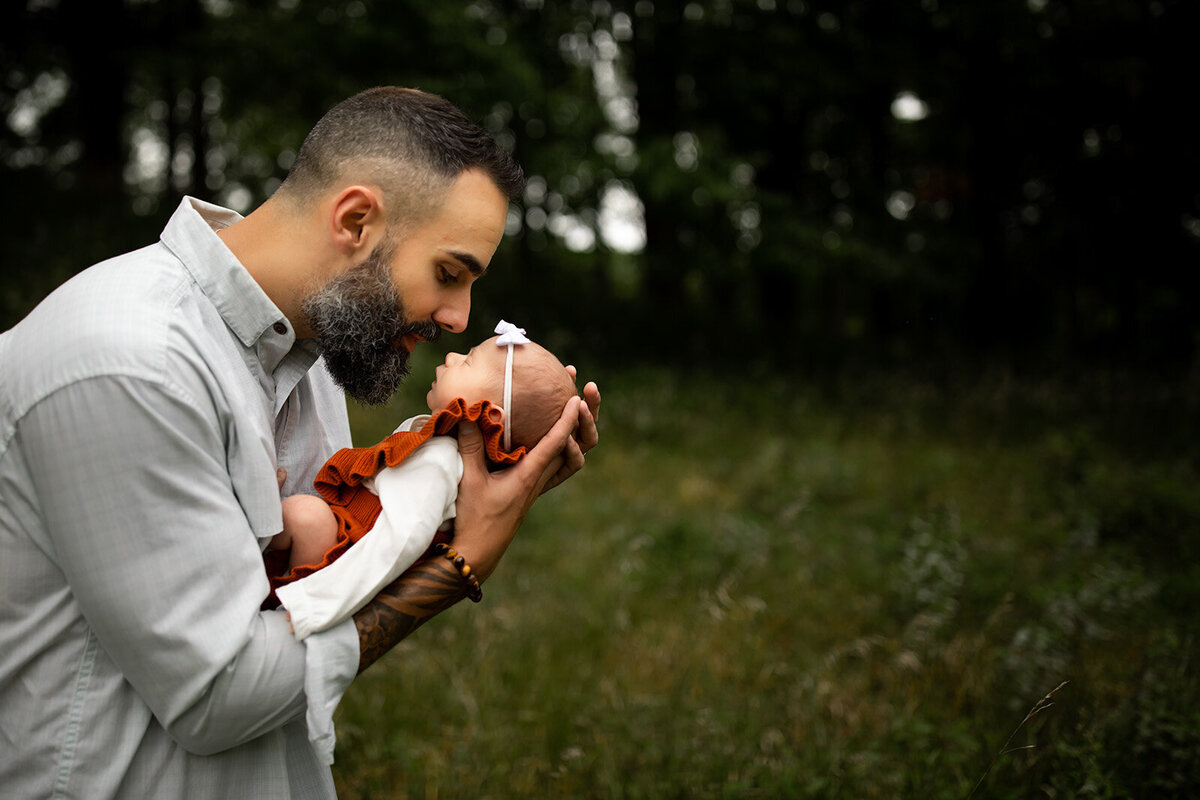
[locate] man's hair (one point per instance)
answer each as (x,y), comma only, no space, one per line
(411,143)
(541,387)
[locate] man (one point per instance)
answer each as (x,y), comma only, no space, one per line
(148,408)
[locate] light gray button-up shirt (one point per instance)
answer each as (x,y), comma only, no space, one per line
(144,408)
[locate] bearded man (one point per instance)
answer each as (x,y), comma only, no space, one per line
(153,409)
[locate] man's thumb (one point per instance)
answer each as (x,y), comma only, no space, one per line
(470,441)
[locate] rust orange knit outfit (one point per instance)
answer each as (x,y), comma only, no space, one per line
(356,508)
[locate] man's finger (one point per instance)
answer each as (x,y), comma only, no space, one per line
(591,396)
(571,459)
(552,444)
(587,434)
(550,475)
(470,444)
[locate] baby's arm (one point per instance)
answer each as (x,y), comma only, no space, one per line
(309,529)
(416,497)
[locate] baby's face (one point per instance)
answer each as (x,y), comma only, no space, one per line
(478,375)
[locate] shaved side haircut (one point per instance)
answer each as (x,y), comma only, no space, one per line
(410,143)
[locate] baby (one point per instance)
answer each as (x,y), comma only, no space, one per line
(388,500)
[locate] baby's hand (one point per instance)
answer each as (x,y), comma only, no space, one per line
(281,476)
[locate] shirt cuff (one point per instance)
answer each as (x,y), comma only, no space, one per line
(330,664)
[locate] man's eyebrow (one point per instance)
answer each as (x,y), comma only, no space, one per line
(469,261)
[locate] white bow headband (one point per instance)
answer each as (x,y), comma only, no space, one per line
(509,335)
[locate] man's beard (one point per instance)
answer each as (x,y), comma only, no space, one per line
(359,320)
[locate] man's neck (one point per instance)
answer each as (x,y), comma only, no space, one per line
(281,250)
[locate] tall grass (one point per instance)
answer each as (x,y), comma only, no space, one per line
(760,590)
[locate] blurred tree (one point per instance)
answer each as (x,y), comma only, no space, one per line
(824,179)
(63,148)
(913,179)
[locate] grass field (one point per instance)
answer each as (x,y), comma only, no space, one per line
(757,589)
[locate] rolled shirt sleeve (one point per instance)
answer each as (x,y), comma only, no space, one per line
(331,665)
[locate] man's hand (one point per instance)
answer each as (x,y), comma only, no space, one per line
(492,505)
(586,435)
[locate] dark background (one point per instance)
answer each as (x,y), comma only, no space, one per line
(1043,216)
(995,284)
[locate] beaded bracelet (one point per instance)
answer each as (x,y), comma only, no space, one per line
(474,590)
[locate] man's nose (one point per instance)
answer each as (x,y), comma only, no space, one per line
(453,316)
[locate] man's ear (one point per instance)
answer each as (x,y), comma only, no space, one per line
(356,219)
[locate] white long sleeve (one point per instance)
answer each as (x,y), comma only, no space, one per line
(416,496)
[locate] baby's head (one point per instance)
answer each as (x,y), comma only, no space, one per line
(541,386)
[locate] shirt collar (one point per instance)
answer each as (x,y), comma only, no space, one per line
(191,236)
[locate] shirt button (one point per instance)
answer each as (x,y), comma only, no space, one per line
(280,328)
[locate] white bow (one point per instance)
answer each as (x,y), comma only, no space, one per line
(509,335)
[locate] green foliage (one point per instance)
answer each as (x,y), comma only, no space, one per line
(757,589)
(1042,207)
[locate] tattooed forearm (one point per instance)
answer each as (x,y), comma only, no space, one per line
(426,589)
